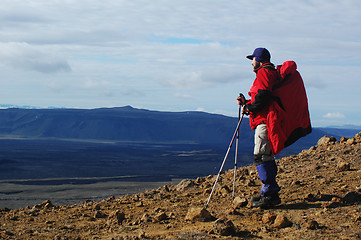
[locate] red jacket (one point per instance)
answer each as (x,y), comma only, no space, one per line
(260,93)
(283,105)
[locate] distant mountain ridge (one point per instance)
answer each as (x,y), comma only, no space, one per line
(131,124)
(342,131)
(118,124)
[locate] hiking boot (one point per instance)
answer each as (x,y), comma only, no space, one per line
(256,198)
(267,201)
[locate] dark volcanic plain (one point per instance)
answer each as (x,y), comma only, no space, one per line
(33,170)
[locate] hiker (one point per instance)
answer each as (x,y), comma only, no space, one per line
(273,90)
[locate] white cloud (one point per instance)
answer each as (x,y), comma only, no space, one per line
(334,115)
(183,96)
(55,87)
(24,56)
(201,79)
(93,84)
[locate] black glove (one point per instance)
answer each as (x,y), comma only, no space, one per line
(241,99)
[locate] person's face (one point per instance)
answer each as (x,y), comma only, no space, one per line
(255,64)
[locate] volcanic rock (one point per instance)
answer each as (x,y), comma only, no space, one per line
(145,218)
(281,221)
(160,217)
(352,197)
(100,214)
(139,204)
(312,225)
(343,139)
(117,217)
(6,233)
(45,205)
(326,140)
(343,166)
(224,227)
(268,218)
(185,184)
(199,214)
(239,202)
(350,141)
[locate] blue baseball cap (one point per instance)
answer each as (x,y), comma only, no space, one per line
(261,54)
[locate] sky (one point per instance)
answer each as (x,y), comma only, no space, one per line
(184,55)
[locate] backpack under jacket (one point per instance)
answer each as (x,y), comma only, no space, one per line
(288,117)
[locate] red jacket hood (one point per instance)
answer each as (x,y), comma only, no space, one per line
(286,68)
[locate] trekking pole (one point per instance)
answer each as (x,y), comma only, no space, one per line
(236,154)
(224,161)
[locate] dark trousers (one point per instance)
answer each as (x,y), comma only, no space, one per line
(266,165)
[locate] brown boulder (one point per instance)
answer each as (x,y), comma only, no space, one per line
(117,217)
(224,191)
(145,218)
(239,202)
(268,218)
(352,197)
(224,227)
(350,141)
(326,140)
(358,137)
(281,221)
(343,166)
(199,214)
(139,204)
(343,139)
(185,184)
(100,214)
(310,197)
(312,225)
(160,217)
(45,205)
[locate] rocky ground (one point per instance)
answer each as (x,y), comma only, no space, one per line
(320,200)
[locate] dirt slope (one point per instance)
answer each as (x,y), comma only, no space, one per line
(320,200)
